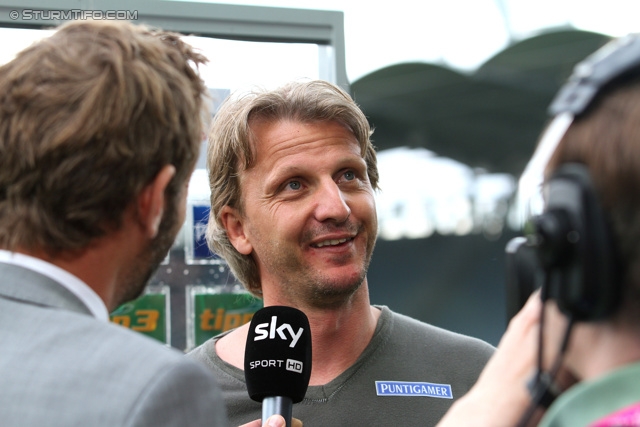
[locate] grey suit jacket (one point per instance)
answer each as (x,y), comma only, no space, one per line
(59,366)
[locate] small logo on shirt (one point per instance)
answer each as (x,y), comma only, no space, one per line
(404,388)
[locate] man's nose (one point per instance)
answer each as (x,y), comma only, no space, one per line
(331,204)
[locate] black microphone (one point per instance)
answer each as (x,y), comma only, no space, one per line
(277,359)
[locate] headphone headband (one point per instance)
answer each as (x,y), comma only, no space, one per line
(613,60)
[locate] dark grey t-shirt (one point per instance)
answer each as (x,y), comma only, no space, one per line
(409,375)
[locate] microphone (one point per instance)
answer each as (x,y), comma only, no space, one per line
(277,359)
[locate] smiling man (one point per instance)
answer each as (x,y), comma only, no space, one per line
(293,174)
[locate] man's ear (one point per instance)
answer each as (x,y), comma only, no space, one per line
(235,227)
(151,201)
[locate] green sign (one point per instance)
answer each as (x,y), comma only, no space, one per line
(146,315)
(214,313)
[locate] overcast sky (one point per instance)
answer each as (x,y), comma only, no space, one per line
(460,33)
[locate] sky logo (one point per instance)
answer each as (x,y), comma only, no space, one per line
(404,388)
(266,330)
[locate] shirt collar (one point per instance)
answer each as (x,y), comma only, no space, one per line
(590,400)
(76,286)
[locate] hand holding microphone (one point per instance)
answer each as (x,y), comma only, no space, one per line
(277,363)
(274,421)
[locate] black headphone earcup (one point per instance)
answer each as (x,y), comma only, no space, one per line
(575,247)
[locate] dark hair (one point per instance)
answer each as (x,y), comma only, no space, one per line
(607,140)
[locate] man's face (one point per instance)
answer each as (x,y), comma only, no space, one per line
(309,217)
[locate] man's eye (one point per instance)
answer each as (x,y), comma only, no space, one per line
(349,176)
(294,185)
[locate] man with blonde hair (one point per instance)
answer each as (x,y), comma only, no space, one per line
(292,175)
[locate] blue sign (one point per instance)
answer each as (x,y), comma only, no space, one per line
(201,251)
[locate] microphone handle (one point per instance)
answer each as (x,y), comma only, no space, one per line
(280,405)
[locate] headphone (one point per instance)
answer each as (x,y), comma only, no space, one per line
(574,247)
(568,251)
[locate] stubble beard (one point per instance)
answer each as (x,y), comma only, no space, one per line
(325,294)
(310,287)
(142,268)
